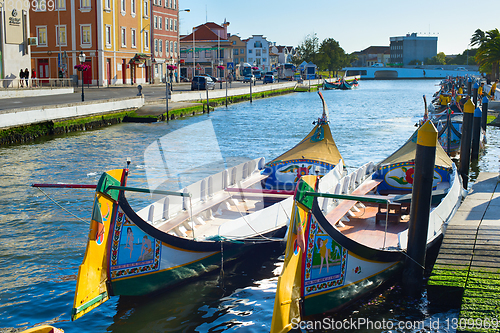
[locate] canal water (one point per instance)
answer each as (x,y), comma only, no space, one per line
(43,235)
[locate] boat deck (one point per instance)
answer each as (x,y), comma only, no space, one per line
(363,229)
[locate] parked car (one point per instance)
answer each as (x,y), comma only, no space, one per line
(257,74)
(249,78)
(210,76)
(460,69)
(202,83)
(441,68)
(268,79)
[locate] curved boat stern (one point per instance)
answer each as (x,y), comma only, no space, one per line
(91,286)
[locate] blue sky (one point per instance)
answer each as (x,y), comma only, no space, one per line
(356,25)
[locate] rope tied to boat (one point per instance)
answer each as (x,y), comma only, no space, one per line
(406,254)
(60,206)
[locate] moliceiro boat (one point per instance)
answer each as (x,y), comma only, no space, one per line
(185,233)
(329,263)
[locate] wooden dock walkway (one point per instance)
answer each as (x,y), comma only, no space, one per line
(467,269)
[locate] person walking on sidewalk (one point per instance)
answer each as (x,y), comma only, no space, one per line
(493,90)
(27,76)
(21,77)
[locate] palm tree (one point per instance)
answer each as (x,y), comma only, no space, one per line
(488,53)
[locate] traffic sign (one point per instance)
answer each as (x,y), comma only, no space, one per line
(230,65)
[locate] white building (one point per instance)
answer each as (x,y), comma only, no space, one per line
(258,52)
(14,49)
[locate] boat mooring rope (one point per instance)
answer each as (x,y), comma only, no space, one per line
(406,254)
(57,204)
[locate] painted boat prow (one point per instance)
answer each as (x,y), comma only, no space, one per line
(91,287)
(43,329)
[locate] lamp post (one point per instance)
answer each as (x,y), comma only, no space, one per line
(81,57)
(179,44)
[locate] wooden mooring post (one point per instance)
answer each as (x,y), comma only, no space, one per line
(476,134)
(465,142)
(421,198)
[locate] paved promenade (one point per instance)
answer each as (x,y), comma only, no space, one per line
(467,269)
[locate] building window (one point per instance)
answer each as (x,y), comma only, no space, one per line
(175,25)
(41,6)
(208,54)
(175,4)
(61,33)
(85,4)
(155,20)
(171,47)
(61,4)
(123,6)
(235,51)
(257,53)
(167,45)
(146,8)
(132,7)
(133,38)
(250,60)
(171,24)
(264,60)
(160,20)
(107,4)
(146,40)
(257,44)
(86,38)
(108,35)
(124,37)
(183,52)
(41,33)
(159,2)
(175,47)
(160,42)
(250,51)
(166,23)
(264,51)
(242,51)
(156,45)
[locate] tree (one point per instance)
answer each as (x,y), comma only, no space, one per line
(308,50)
(331,56)
(488,52)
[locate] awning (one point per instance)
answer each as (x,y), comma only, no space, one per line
(139,58)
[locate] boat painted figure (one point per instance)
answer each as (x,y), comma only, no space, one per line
(329,264)
(186,233)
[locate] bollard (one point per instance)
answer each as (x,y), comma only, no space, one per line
(423,177)
(476,134)
(250,91)
(226,93)
(167,93)
(465,142)
(208,102)
(469,87)
(484,115)
(474,93)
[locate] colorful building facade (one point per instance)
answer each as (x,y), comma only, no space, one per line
(115,35)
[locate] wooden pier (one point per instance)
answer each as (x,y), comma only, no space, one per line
(467,269)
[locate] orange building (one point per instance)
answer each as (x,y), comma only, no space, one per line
(115,35)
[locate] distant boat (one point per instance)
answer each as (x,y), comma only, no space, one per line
(328,264)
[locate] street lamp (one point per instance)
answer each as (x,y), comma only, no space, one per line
(81,57)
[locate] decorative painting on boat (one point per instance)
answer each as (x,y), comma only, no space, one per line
(284,175)
(132,251)
(400,176)
(325,262)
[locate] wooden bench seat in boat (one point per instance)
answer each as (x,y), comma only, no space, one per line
(345,205)
(218,198)
(396,209)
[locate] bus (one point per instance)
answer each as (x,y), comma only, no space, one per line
(241,70)
(286,71)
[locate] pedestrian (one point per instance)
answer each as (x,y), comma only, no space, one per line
(21,77)
(27,76)
(493,90)
(33,77)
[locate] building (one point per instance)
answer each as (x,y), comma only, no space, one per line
(258,52)
(115,35)
(238,49)
(15,53)
(412,47)
(210,44)
(164,33)
(372,55)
